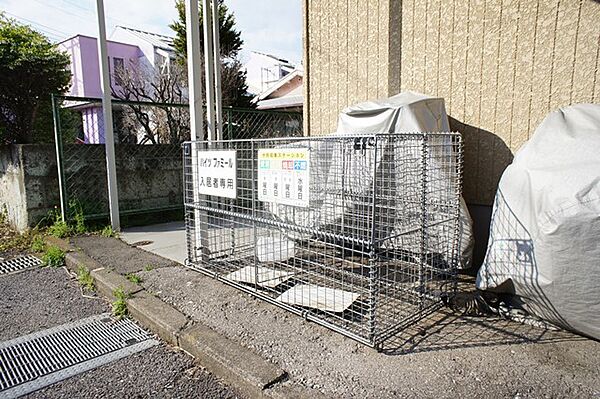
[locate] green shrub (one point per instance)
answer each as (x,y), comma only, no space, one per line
(119,306)
(54,257)
(85,278)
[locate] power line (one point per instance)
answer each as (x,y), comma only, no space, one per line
(60,9)
(90,17)
(93,13)
(52,33)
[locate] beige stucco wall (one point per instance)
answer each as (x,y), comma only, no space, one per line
(501,66)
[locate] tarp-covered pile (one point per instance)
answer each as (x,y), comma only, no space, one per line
(545,233)
(408,112)
(334,167)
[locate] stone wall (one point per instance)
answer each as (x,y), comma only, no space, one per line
(501,66)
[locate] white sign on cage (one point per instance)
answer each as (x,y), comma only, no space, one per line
(283,176)
(217,173)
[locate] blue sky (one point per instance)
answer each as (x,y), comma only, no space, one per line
(273,26)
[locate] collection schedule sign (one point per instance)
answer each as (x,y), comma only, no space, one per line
(283,176)
(217,173)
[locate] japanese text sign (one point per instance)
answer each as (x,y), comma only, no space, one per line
(283,176)
(217,173)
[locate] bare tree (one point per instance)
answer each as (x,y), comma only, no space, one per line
(164,122)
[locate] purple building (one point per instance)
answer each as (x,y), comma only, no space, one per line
(126,47)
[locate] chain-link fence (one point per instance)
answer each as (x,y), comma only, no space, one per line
(148,139)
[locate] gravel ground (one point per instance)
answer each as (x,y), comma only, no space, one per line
(41,298)
(117,255)
(158,372)
(443,356)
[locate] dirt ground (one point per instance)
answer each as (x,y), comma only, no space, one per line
(443,356)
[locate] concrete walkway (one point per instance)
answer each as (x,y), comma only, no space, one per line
(165,239)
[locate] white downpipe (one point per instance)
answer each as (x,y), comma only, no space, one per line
(209,70)
(217,70)
(109,139)
(196,118)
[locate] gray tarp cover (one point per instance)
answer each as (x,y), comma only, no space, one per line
(407,112)
(545,233)
(404,113)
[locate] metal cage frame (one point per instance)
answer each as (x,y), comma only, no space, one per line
(373,249)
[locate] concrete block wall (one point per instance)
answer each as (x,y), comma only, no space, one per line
(12,187)
(149,176)
(28,183)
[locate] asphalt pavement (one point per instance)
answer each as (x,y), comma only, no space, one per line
(41,298)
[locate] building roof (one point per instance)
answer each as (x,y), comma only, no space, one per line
(272,56)
(79,35)
(292,98)
(157,40)
(280,83)
(282,102)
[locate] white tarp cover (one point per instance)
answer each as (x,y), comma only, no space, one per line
(545,233)
(407,112)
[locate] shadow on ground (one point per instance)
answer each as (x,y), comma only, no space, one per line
(445,330)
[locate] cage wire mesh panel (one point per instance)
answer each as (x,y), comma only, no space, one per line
(358,233)
(148,139)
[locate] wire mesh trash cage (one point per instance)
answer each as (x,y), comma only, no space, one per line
(357,233)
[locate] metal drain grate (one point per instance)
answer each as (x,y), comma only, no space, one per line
(19,263)
(40,359)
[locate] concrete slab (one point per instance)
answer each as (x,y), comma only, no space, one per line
(117,255)
(165,239)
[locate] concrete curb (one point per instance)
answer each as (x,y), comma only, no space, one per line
(238,366)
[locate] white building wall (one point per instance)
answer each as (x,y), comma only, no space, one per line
(262,71)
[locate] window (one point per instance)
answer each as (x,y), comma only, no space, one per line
(162,63)
(118,67)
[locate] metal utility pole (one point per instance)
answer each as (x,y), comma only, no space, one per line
(194,69)
(192,22)
(109,140)
(217,70)
(209,69)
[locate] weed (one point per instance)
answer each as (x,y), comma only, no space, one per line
(148,268)
(119,306)
(59,228)
(85,278)
(78,217)
(108,231)
(134,278)
(38,245)
(54,257)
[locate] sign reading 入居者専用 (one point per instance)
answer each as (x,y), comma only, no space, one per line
(217,173)
(283,176)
